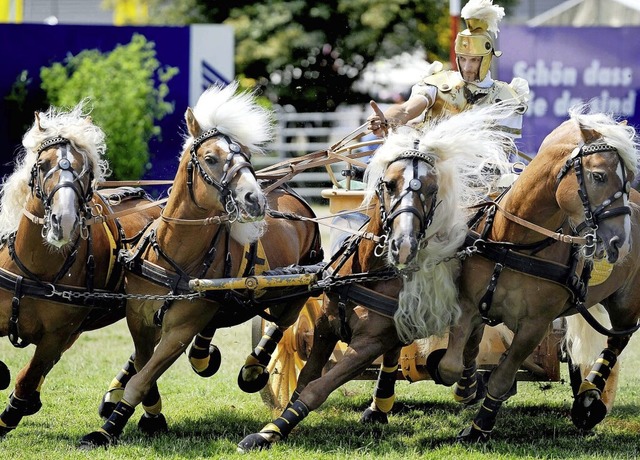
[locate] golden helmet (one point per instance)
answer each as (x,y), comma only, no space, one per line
(482,18)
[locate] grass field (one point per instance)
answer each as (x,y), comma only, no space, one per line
(208,417)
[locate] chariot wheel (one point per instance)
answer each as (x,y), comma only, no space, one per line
(289,356)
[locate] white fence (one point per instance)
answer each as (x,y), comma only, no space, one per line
(298,134)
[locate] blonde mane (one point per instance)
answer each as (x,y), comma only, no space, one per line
(237,115)
(469,149)
(618,135)
(84,136)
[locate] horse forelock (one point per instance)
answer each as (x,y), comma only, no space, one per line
(237,115)
(72,125)
(620,136)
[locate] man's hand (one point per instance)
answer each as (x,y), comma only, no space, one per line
(377,121)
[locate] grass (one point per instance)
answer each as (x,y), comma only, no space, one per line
(208,417)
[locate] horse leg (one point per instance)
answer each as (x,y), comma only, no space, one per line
(116,388)
(384,392)
(501,380)
(589,408)
(5,376)
(471,387)
(360,353)
(154,363)
(204,357)
(25,399)
(254,375)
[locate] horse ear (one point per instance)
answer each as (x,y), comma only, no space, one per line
(38,121)
(88,120)
(192,124)
(589,135)
(624,122)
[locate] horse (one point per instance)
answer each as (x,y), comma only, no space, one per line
(217,223)
(570,211)
(406,272)
(57,242)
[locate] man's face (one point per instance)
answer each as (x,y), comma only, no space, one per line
(469,67)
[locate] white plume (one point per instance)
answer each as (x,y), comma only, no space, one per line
(486,11)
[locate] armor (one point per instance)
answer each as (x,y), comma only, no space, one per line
(454,95)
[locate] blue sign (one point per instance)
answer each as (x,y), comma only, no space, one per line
(566,66)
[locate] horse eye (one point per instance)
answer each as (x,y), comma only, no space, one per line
(599,177)
(211,160)
(391,185)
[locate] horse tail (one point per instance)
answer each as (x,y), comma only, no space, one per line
(582,343)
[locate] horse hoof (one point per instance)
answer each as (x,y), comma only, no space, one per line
(215,358)
(433,360)
(5,376)
(254,441)
(253,386)
(585,418)
(376,417)
(154,425)
(109,401)
(97,439)
(471,435)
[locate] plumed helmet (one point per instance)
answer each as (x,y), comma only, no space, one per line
(482,18)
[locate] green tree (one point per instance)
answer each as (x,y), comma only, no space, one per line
(127,89)
(309,53)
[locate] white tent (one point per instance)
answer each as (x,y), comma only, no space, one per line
(585,13)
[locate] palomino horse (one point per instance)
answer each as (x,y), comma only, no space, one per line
(58,240)
(416,180)
(533,255)
(215,211)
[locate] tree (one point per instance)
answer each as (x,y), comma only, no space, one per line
(309,53)
(127,90)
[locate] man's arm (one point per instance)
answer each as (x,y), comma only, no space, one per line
(399,114)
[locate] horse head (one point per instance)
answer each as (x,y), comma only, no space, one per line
(63,151)
(597,203)
(221,178)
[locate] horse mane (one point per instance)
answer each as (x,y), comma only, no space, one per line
(469,150)
(237,115)
(74,125)
(621,136)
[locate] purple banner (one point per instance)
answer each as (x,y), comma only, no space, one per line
(566,66)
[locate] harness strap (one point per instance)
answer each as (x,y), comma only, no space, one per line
(14,334)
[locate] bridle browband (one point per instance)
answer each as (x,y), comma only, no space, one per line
(425,215)
(601,212)
(229,171)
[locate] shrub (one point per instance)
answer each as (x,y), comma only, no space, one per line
(127,90)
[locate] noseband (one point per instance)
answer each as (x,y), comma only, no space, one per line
(600,213)
(424,215)
(229,172)
(37,184)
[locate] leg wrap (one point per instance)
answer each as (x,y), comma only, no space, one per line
(486,417)
(294,397)
(466,388)
(125,374)
(152,402)
(599,374)
(267,345)
(288,420)
(13,413)
(384,394)
(199,352)
(118,419)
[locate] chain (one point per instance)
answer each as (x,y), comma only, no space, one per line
(69,295)
(461,255)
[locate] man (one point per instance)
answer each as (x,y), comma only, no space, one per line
(445,93)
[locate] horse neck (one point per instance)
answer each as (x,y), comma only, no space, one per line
(532,198)
(365,259)
(184,244)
